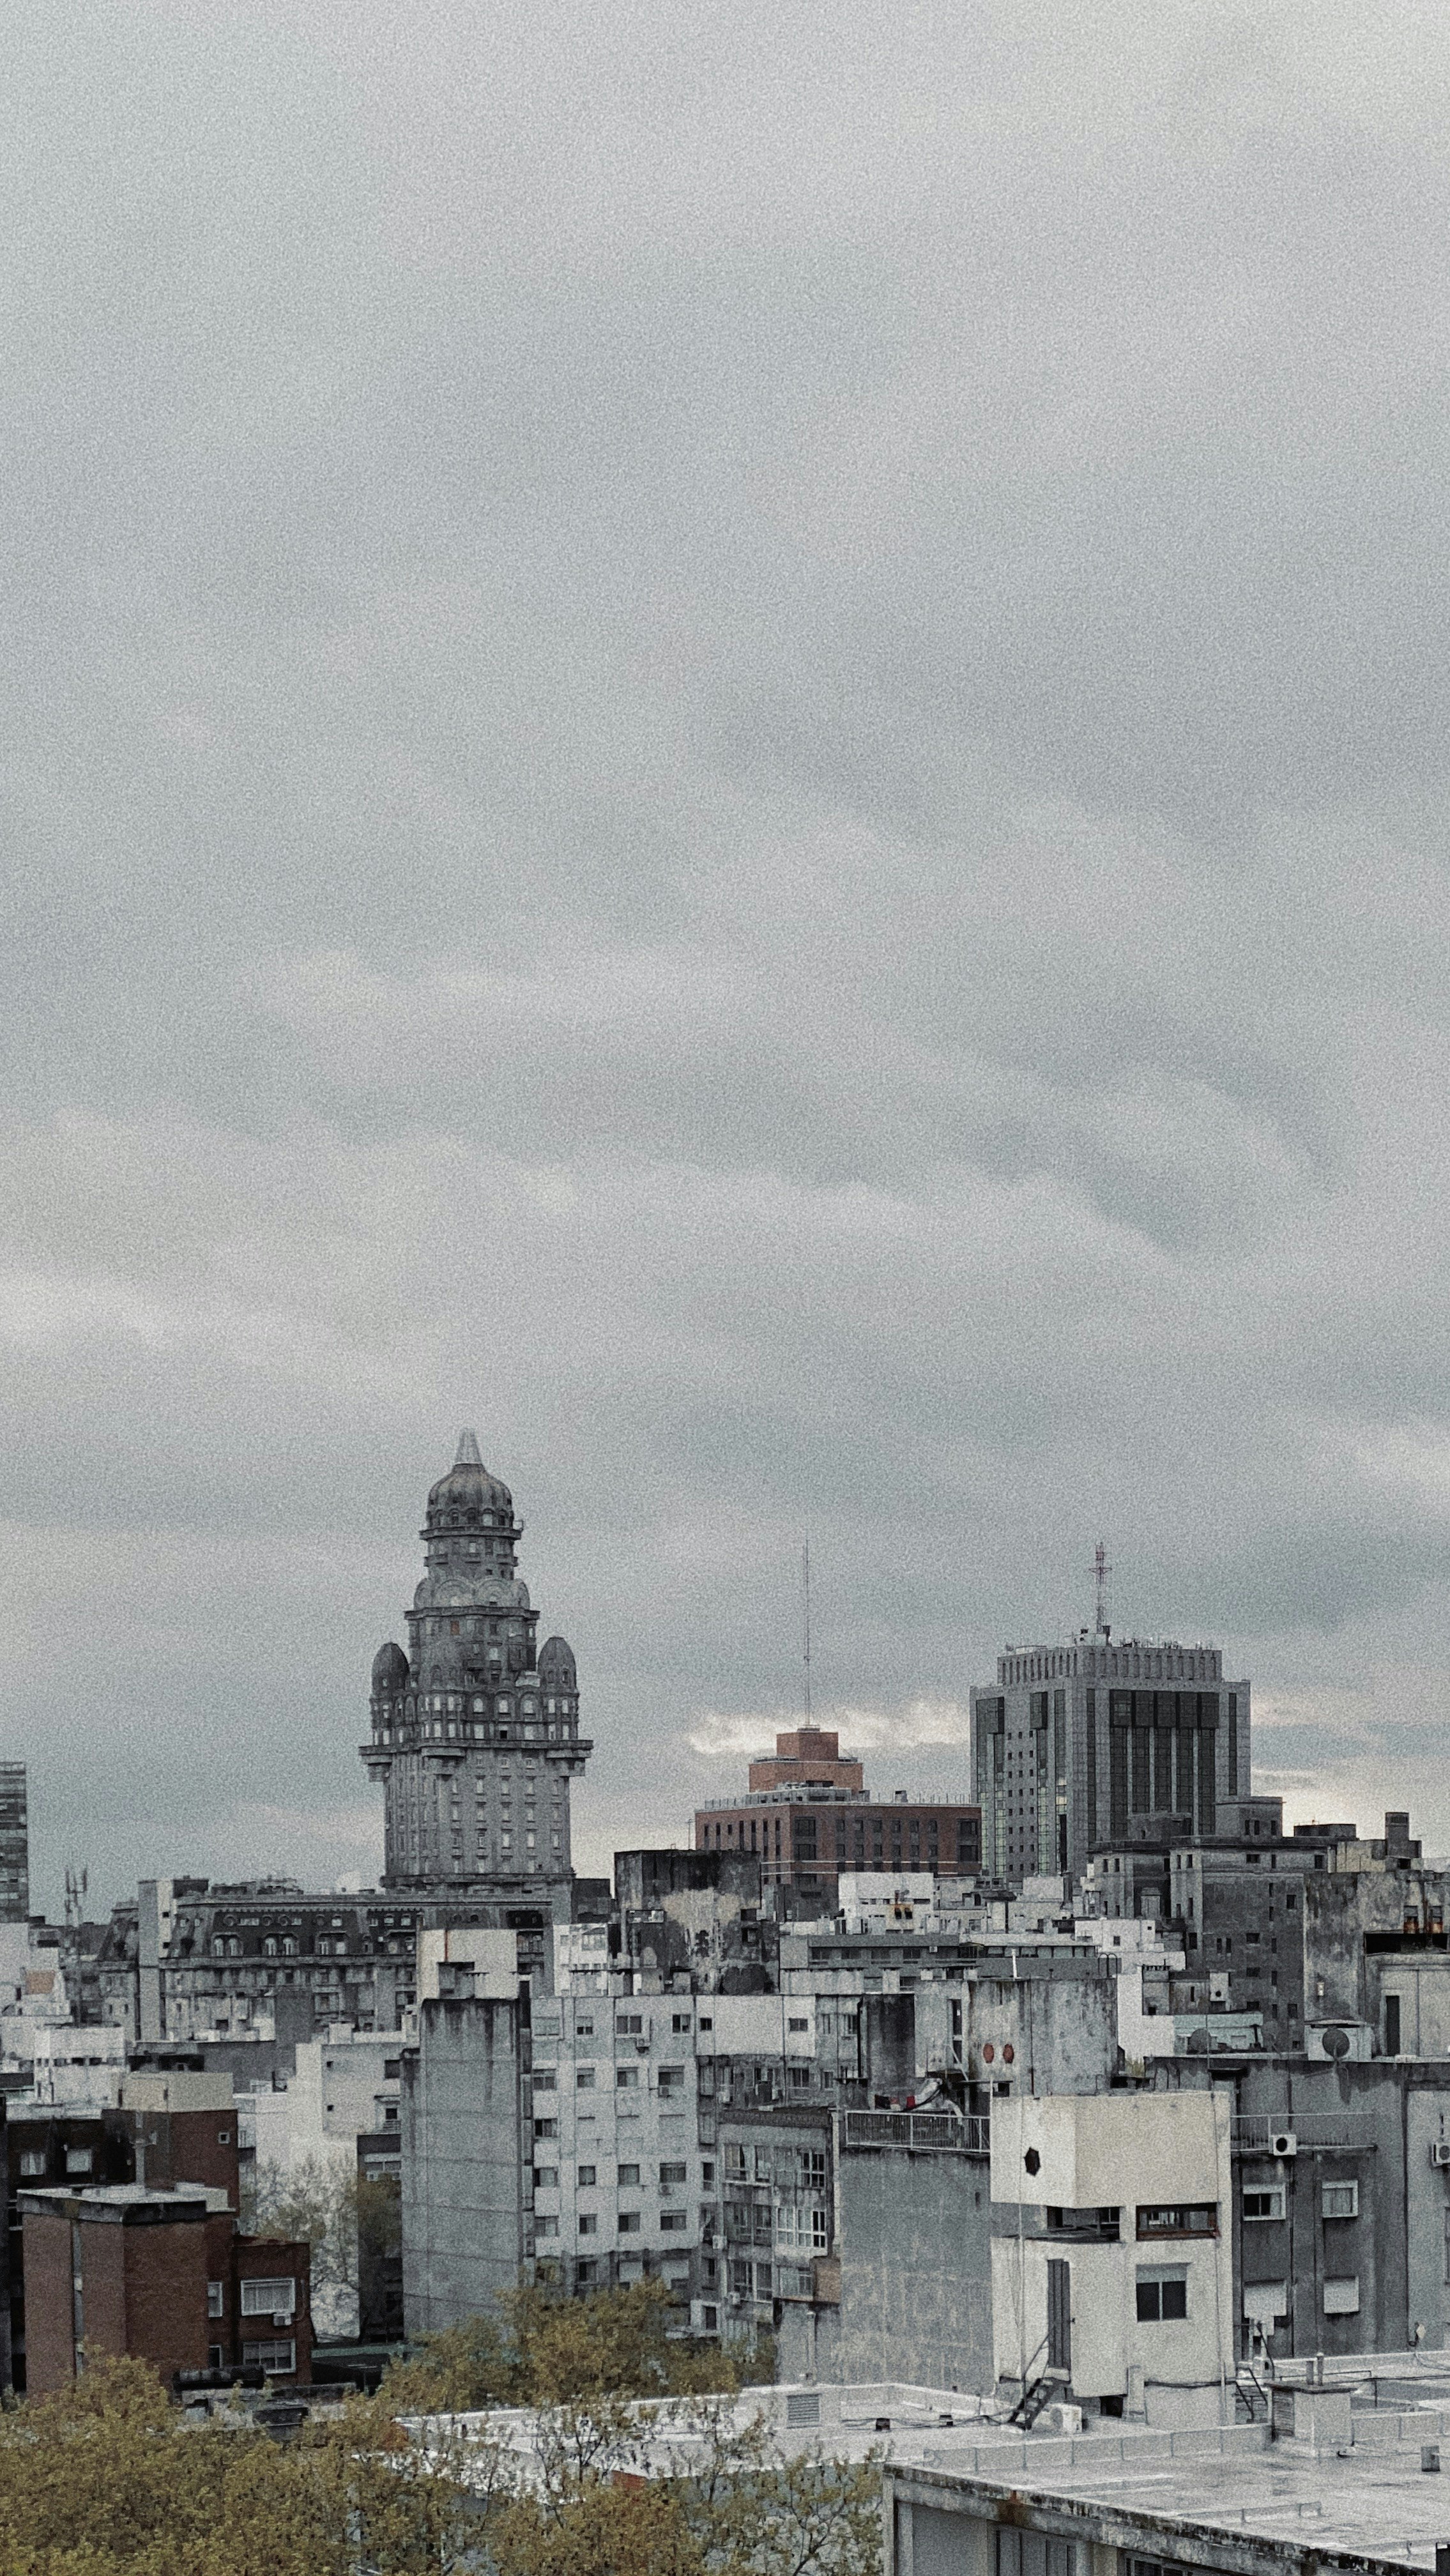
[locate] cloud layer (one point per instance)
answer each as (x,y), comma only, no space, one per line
(726,749)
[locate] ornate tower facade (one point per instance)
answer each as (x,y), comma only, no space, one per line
(475,1737)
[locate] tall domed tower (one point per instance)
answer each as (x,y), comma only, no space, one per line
(474,1737)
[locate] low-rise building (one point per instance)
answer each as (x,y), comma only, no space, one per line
(162,2276)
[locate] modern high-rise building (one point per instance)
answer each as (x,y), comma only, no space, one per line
(14,1845)
(475,1736)
(1072,1746)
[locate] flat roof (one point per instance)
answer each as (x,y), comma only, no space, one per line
(1362,2500)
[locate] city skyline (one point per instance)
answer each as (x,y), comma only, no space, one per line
(925,1748)
(731,758)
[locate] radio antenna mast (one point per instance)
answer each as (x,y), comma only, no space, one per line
(1101,1571)
(806,1617)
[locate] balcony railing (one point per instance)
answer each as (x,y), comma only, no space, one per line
(929,2132)
(1253,2133)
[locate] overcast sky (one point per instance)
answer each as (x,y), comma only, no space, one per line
(725,749)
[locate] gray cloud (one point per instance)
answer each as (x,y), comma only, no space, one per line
(725,748)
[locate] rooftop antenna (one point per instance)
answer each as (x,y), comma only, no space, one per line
(1101,1571)
(806,1607)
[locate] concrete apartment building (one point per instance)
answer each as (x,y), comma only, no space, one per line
(1072,1742)
(1112,2265)
(806,1816)
(14,1844)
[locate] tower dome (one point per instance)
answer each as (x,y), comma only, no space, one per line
(459,1499)
(556,1665)
(390,1668)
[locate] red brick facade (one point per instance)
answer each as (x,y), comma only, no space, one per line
(161,2280)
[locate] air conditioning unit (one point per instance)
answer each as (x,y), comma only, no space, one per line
(1283,2143)
(1440,2151)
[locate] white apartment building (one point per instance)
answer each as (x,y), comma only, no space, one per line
(1112,2251)
(620,2181)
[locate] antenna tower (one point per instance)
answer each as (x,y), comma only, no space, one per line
(1101,1571)
(806,1616)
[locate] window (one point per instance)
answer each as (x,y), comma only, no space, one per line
(1265,2201)
(586,2177)
(1162,2297)
(629,2222)
(584,2079)
(1339,2200)
(546,2079)
(32,2161)
(679,2021)
(630,2025)
(216,2298)
(799,2022)
(584,2030)
(1266,2304)
(626,2079)
(672,2079)
(629,2177)
(734,2158)
(275,2355)
(673,2222)
(79,2160)
(546,2177)
(273,2298)
(546,2128)
(1341,2298)
(546,2227)
(1183,2218)
(588,2223)
(674,2173)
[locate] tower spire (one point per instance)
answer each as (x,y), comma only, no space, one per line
(806,1608)
(468,1450)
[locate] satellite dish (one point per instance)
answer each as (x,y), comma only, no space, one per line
(1336,2043)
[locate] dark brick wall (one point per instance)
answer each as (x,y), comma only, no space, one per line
(51,2348)
(165,2292)
(259,2258)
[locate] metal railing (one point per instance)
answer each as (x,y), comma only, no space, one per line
(935,2132)
(1253,2133)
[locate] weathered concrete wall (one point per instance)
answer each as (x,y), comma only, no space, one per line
(1370,2123)
(463,2153)
(916,2279)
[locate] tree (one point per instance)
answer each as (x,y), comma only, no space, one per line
(315,2201)
(629,2472)
(546,2349)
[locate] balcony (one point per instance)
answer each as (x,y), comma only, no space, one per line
(923,2132)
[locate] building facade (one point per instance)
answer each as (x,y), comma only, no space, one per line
(14,1844)
(806,1816)
(475,1732)
(161,2276)
(1071,1743)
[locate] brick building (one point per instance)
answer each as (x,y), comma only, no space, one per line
(807,1815)
(159,2276)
